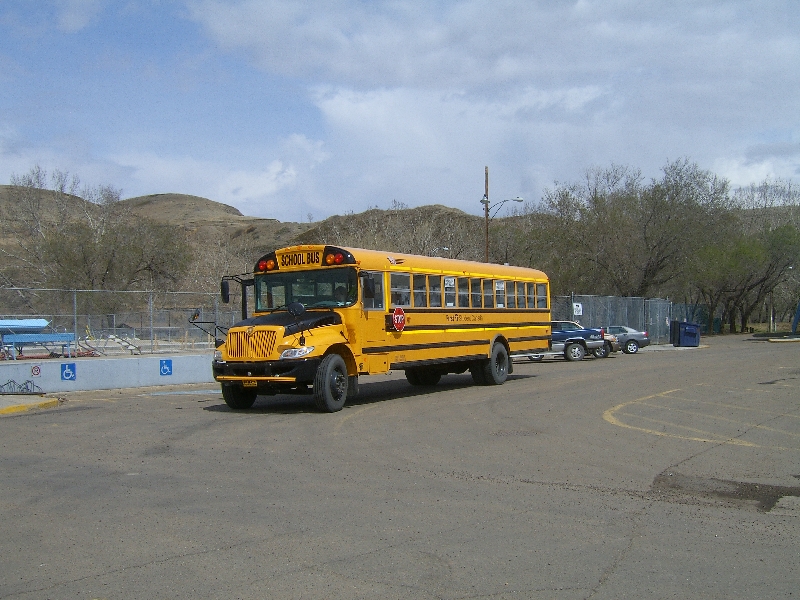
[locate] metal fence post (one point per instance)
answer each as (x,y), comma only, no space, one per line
(75,317)
(150,309)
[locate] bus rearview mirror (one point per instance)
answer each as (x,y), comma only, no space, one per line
(225,291)
(369,287)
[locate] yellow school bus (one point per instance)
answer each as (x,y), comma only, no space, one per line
(324,315)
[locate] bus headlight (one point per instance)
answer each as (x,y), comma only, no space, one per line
(297,352)
(217,356)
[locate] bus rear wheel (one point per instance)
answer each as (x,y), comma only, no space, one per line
(239,398)
(422,376)
(494,370)
(331,383)
(476,370)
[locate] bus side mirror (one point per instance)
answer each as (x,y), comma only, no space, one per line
(369,287)
(225,291)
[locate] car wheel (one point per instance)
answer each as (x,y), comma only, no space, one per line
(631,347)
(574,351)
(603,351)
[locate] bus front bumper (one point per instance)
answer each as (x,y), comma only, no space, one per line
(280,372)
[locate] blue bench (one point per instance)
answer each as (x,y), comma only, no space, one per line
(15,341)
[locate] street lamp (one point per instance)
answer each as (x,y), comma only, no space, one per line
(496,207)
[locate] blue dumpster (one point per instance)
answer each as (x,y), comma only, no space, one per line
(685,334)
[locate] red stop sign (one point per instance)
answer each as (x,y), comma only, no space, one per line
(399,318)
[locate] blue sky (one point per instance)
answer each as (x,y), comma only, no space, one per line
(286,109)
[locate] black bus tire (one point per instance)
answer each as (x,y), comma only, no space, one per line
(476,370)
(423,376)
(495,370)
(239,398)
(330,384)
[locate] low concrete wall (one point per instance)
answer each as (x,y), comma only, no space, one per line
(72,374)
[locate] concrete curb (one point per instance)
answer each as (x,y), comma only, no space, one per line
(18,408)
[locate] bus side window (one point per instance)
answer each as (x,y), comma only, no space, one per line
(488,293)
(511,296)
(520,294)
(531,295)
(463,292)
(377,282)
(449,291)
(541,295)
(500,292)
(435,289)
(420,291)
(475,285)
(400,288)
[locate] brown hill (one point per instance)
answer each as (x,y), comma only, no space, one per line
(206,220)
(212,226)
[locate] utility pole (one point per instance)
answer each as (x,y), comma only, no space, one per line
(486,214)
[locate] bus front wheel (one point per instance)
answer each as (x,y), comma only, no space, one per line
(331,383)
(237,397)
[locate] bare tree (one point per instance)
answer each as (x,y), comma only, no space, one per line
(66,241)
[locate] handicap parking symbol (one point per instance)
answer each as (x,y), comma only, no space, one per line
(165,366)
(68,372)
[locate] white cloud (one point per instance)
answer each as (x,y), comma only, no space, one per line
(409,100)
(74,15)
(741,171)
(251,190)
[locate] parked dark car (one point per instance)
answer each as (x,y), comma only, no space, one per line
(629,339)
(574,340)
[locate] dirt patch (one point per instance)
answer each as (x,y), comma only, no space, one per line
(764,496)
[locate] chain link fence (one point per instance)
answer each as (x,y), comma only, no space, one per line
(107,322)
(111,322)
(652,315)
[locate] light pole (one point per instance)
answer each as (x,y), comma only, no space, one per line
(485,202)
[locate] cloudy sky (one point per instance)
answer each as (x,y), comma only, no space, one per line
(287,108)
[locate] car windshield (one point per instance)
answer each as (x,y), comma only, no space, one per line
(319,288)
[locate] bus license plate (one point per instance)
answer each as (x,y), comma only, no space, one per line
(250,383)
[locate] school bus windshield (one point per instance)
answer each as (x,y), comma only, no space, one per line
(319,288)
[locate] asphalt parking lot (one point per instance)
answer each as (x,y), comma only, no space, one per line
(671,473)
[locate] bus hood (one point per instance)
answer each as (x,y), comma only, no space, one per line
(292,324)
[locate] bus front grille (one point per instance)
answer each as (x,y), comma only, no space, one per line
(257,344)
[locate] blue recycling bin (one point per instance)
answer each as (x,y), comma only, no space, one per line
(685,334)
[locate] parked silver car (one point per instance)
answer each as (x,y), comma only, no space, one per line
(629,339)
